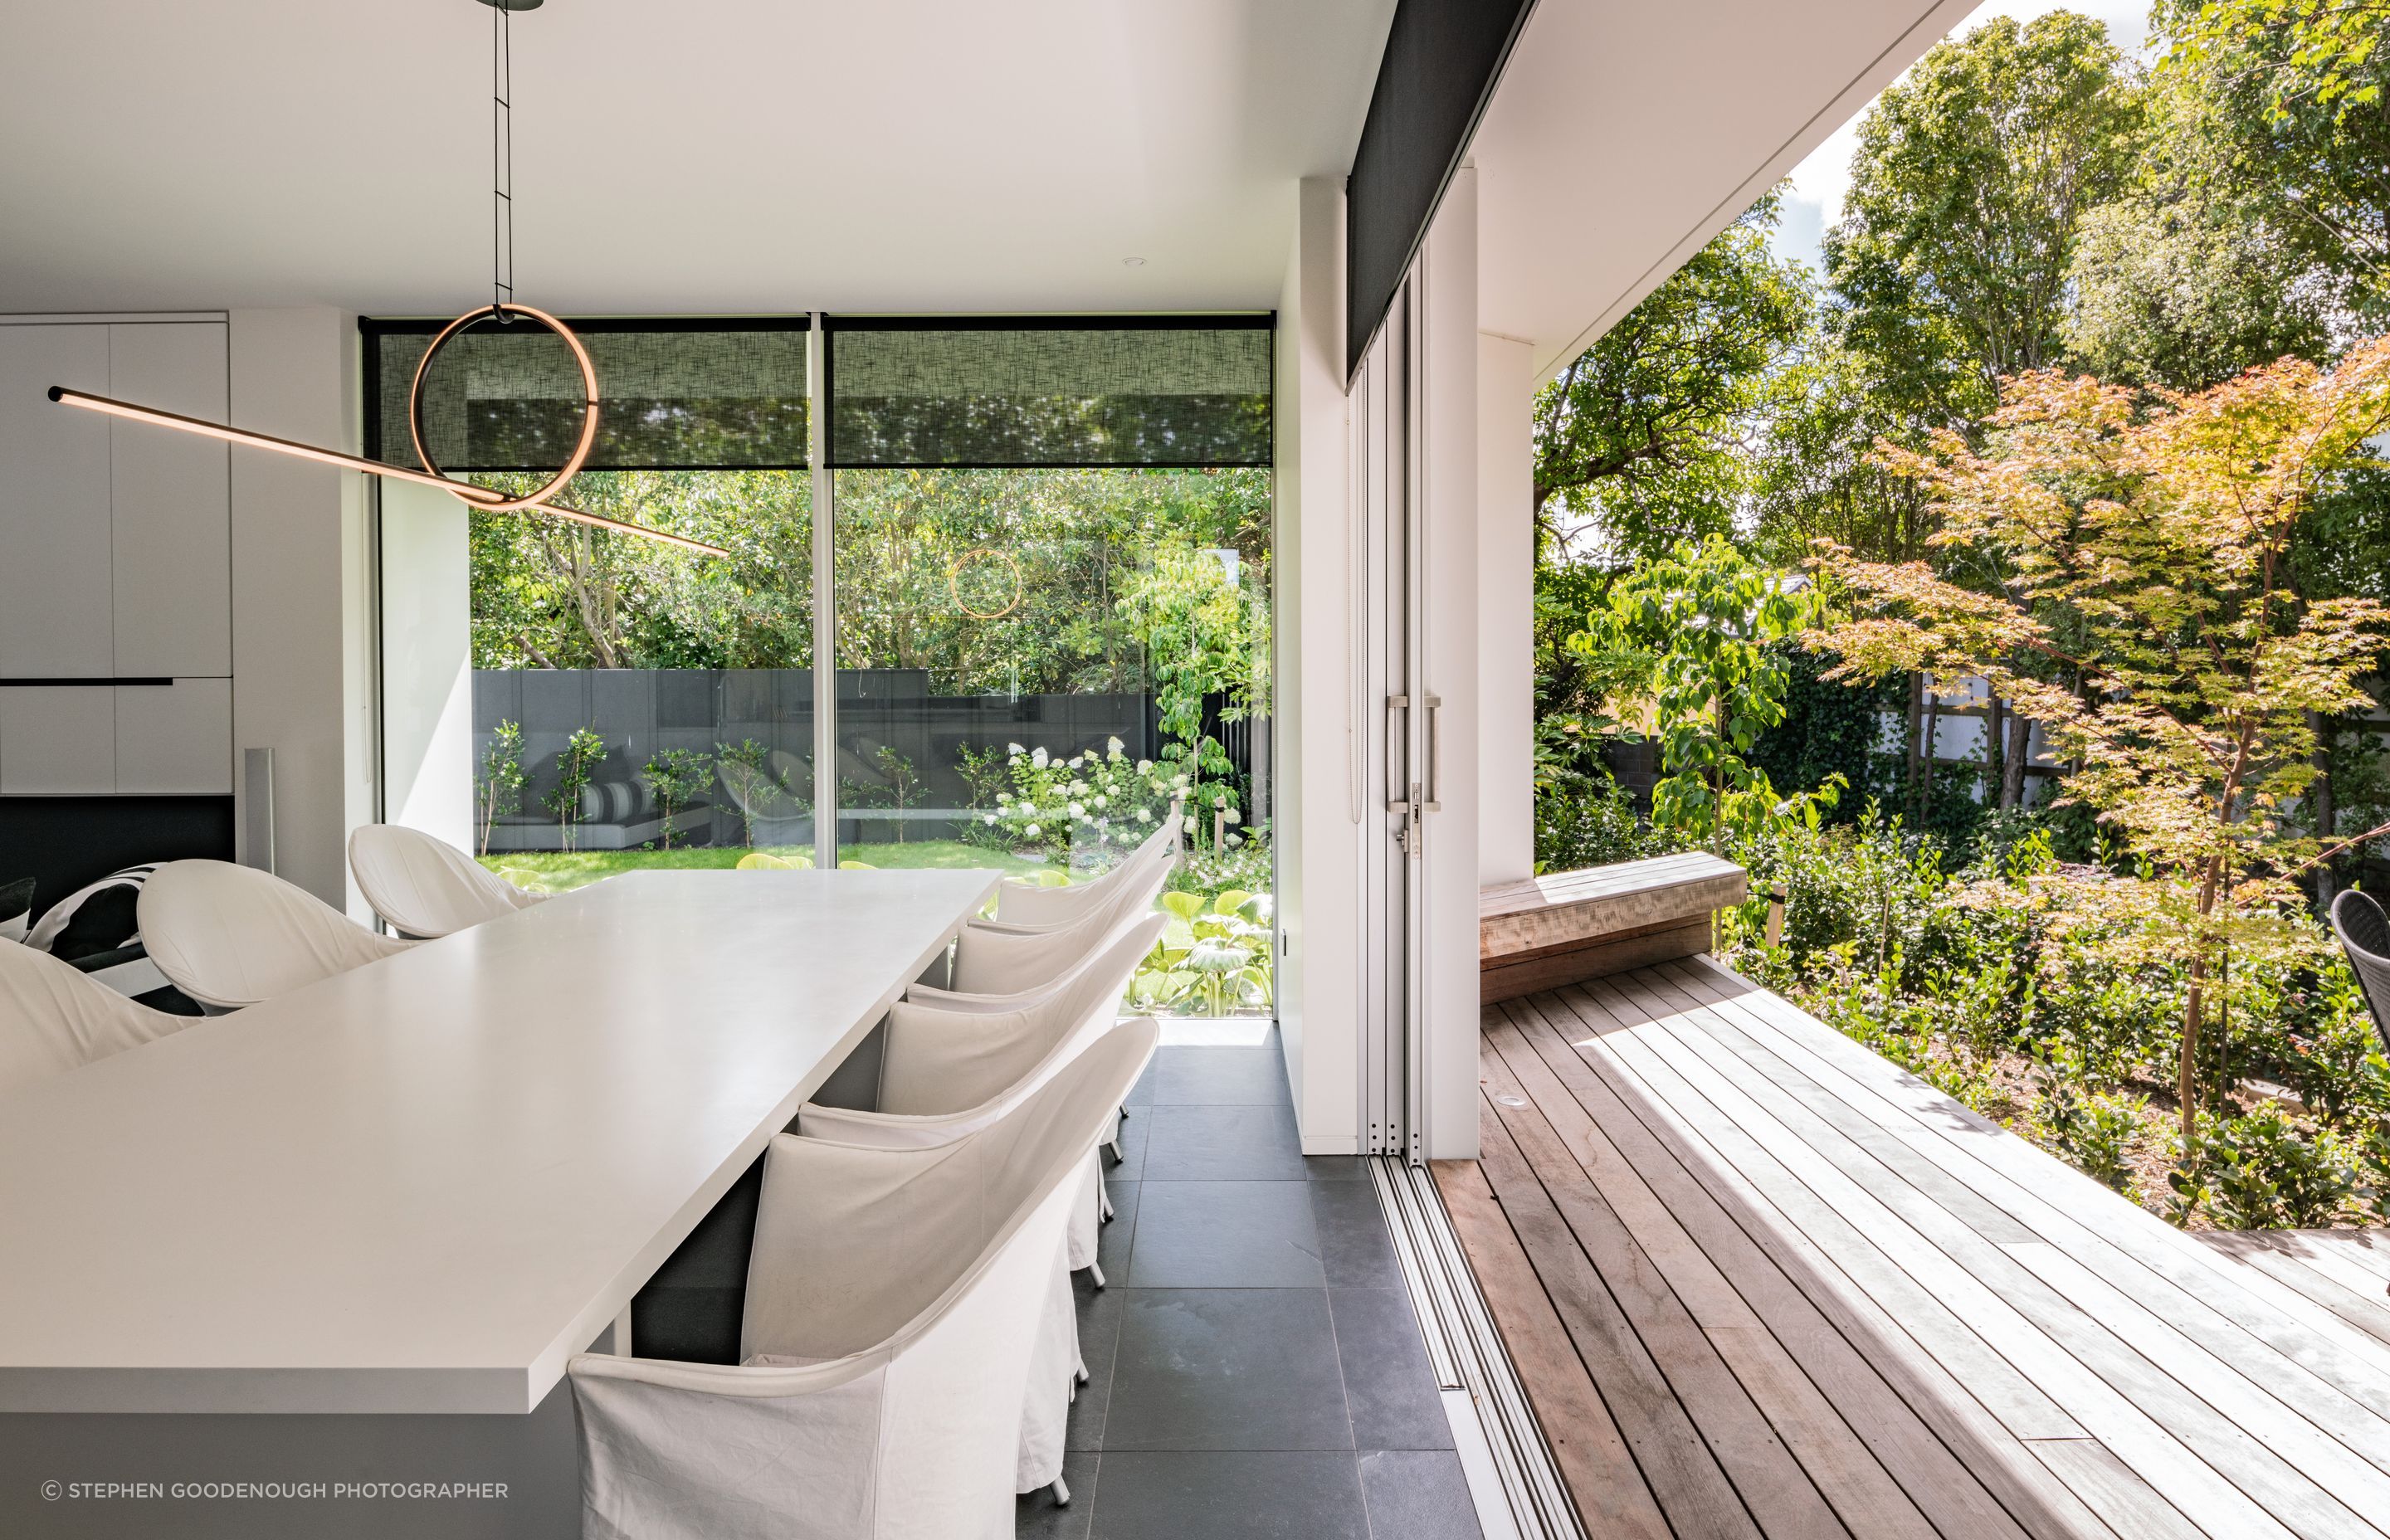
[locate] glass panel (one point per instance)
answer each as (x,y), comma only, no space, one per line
(1036,665)
(637,705)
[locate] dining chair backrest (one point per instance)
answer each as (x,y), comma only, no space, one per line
(1000,959)
(893,1301)
(53,1018)
(232,936)
(425,886)
(2364,934)
(937,1061)
(1019,903)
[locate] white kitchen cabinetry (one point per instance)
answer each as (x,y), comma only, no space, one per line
(172,497)
(115,560)
(57,565)
(58,741)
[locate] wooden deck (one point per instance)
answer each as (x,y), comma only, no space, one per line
(1760,1282)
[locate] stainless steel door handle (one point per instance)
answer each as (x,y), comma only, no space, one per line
(1433,801)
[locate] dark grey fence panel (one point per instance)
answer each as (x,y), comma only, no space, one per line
(639,711)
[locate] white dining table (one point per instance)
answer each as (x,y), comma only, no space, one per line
(422,1185)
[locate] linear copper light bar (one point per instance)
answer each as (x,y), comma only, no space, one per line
(468,494)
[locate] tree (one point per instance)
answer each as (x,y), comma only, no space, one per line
(1203,637)
(1973,175)
(2148,554)
(677,777)
(2183,290)
(2312,53)
(583,752)
(498,791)
(1816,475)
(1641,434)
(1688,637)
(2286,114)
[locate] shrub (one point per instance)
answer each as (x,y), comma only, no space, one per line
(1589,820)
(1098,802)
(2261,1171)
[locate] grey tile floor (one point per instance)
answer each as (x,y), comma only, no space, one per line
(1256,1368)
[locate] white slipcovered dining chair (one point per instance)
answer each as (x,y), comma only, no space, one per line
(232,936)
(1034,906)
(947,1073)
(426,887)
(997,958)
(53,1018)
(893,1297)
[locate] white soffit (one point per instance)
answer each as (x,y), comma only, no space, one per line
(1623,135)
(737,155)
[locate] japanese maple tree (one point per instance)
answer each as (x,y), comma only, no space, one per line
(2142,544)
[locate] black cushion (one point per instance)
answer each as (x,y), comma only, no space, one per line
(16,908)
(105,921)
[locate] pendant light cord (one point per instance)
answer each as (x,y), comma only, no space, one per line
(502,161)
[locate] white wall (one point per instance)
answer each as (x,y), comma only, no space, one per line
(426,663)
(302,592)
(1506,608)
(1318,816)
(1448,461)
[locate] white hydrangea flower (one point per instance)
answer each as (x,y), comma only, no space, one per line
(1144,814)
(1032,831)
(1180,783)
(1038,758)
(1114,748)
(1015,749)
(1145,767)
(1078,810)
(1236,840)
(1102,801)
(1232,815)
(989,820)
(1078,760)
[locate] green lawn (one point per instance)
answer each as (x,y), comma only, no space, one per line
(559,871)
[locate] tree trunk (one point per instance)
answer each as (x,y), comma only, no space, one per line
(2186,1085)
(1916,744)
(2012,761)
(2326,815)
(1925,757)
(1996,721)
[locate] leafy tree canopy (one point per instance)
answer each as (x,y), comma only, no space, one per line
(1638,442)
(1973,175)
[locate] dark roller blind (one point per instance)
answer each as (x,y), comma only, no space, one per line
(1442,59)
(1068,391)
(689,395)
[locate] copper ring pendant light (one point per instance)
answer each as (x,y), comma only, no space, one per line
(483,497)
(502,308)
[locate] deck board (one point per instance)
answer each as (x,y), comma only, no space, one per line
(1800,1293)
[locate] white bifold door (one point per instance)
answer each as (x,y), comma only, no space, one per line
(1399,748)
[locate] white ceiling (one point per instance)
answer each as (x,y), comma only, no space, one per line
(688,155)
(1625,133)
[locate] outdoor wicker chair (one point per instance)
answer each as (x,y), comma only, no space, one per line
(2364,933)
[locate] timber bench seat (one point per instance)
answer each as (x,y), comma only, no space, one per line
(1567,926)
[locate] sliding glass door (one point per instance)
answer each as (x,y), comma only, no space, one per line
(1049,564)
